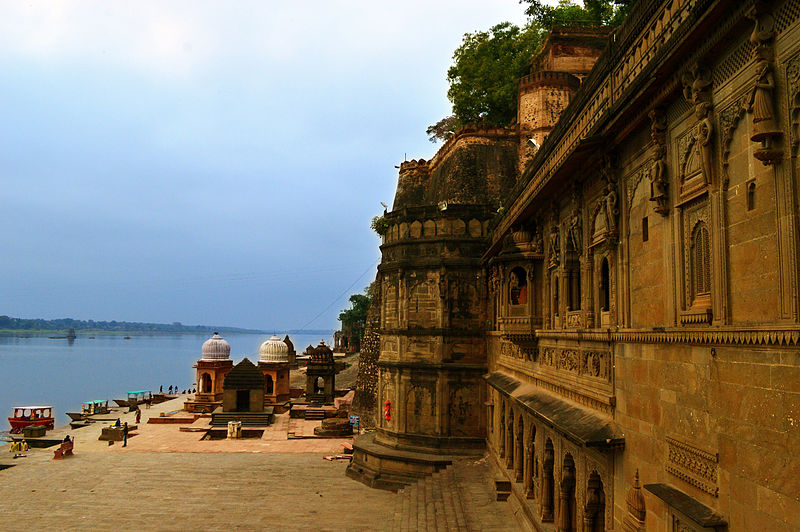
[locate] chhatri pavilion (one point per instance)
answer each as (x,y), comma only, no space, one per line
(273,361)
(215,362)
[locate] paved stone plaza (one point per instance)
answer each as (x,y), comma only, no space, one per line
(189,491)
(168,479)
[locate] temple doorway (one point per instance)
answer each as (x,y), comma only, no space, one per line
(242,400)
(270,385)
(205,383)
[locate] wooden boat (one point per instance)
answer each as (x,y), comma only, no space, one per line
(90,408)
(25,416)
(139,397)
(121,402)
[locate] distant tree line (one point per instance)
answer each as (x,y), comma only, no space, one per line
(22,324)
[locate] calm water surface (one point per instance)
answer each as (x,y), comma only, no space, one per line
(41,371)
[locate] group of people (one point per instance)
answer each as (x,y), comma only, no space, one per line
(175,388)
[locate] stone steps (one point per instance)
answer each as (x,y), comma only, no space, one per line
(315,414)
(247,419)
(460,497)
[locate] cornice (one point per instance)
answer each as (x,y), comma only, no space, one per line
(765,336)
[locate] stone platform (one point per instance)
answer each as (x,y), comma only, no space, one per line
(382,467)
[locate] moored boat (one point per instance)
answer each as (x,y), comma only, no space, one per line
(139,397)
(90,408)
(25,416)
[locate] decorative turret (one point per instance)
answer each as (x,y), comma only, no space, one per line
(215,348)
(274,350)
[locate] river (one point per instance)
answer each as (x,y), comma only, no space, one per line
(37,370)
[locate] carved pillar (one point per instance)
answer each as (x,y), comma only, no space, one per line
(527,484)
(566,496)
(592,505)
(547,485)
(519,452)
(510,439)
(501,434)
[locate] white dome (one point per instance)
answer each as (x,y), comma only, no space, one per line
(216,348)
(273,350)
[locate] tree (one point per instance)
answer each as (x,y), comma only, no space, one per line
(594,12)
(485,74)
(354,319)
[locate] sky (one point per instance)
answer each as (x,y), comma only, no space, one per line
(212,163)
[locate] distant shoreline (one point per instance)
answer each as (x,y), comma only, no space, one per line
(84,333)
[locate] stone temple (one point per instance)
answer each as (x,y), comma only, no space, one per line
(605,297)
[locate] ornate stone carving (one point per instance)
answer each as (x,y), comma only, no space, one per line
(575,222)
(659,178)
(635,519)
(555,245)
(694,213)
(761,105)
(697,91)
(580,362)
(793,76)
(692,465)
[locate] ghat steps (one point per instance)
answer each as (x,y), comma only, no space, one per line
(460,497)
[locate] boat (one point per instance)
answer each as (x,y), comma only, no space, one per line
(126,337)
(121,402)
(139,397)
(25,416)
(90,408)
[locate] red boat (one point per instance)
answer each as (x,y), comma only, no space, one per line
(31,415)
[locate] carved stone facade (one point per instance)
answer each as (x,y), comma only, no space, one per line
(664,306)
(635,306)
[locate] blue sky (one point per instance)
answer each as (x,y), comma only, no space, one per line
(211,162)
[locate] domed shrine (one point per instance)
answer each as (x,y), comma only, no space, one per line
(273,361)
(320,374)
(215,362)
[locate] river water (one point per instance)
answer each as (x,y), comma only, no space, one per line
(40,371)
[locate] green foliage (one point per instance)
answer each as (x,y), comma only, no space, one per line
(380,225)
(567,13)
(485,74)
(354,319)
(443,129)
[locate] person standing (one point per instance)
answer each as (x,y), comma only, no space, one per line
(138,415)
(125,434)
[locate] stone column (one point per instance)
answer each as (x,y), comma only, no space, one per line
(547,486)
(519,452)
(510,440)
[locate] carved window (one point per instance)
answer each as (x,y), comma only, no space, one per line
(518,287)
(645,230)
(700,262)
(605,286)
(751,195)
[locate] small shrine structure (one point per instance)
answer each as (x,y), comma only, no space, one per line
(243,397)
(273,361)
(243,389)
(320,374)
(213,366)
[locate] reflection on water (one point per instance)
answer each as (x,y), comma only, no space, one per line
(37,370)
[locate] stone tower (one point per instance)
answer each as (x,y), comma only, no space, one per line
(556,72)
(430,391)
